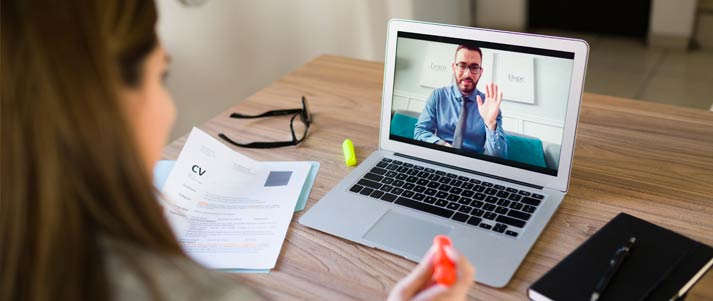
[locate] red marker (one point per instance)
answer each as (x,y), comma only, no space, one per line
(444,269)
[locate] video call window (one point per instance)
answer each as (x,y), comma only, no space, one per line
(496,102)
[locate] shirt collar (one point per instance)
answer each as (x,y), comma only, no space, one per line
(456,91)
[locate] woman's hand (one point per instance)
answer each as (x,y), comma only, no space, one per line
(418,285)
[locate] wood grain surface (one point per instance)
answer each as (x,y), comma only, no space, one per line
(650,160)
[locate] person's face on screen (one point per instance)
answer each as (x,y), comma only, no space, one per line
(466,79)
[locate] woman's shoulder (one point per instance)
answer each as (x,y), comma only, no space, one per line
(137,274)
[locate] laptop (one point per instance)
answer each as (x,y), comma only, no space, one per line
(487,166)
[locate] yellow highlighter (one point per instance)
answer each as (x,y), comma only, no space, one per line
(349,155)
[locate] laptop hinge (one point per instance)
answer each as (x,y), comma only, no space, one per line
(469,171)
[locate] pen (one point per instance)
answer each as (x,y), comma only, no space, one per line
(614,265)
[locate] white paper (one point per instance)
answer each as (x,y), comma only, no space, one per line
(220,208)
(437,70)
(515,75)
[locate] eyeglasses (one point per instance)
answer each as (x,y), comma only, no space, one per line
(475,68)
(299,129)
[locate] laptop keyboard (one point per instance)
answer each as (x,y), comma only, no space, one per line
(481,204)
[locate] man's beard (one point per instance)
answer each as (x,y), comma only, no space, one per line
(467,81)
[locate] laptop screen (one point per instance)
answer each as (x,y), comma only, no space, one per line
(496,102)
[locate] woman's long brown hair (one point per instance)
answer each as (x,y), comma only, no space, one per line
(71,170)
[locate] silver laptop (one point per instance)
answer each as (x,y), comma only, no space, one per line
(476,141)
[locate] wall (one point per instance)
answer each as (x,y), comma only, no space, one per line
(544,119)
(672,17)
(671,23)
(501,14)
(223,51)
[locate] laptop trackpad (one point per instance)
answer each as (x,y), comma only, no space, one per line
(404,233)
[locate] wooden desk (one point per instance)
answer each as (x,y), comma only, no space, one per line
(651,160)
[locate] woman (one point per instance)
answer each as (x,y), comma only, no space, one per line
(85,115)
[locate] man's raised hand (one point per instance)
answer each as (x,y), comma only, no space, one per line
(490,109)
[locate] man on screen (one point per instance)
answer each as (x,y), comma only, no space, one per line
(461,116)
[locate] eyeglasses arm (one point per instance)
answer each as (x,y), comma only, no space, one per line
(258,144)
(267,114)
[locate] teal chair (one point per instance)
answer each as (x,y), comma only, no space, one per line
(526,150)
(520,148)
(403,123)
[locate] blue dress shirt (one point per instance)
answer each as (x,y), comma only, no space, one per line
(439,119)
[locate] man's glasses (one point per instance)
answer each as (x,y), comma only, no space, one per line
(298,129)
(475,68)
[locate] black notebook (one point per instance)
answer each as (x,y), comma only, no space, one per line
(661,264)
